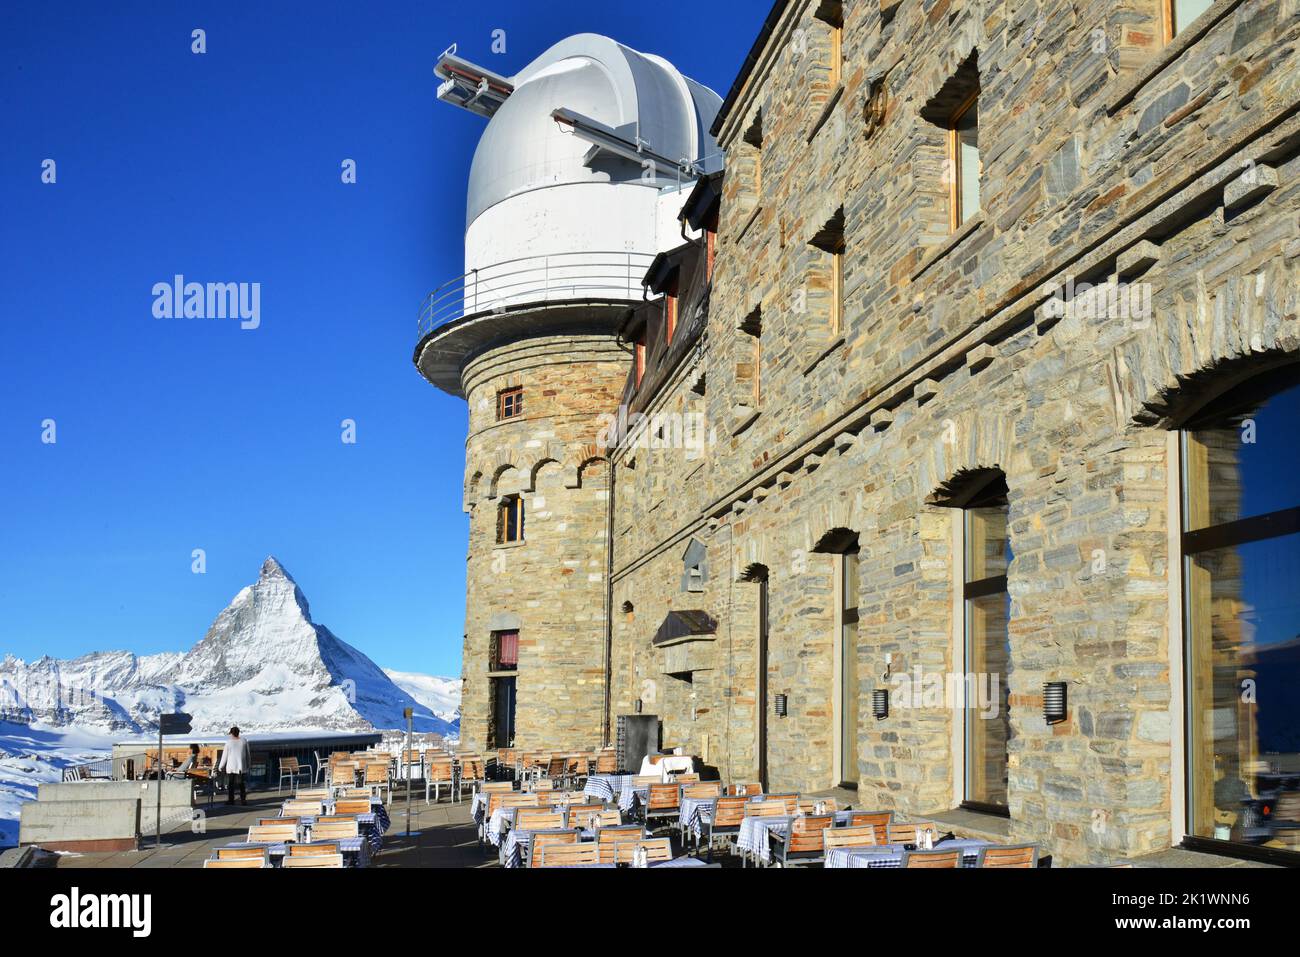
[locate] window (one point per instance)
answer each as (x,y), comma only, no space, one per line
(753,138)
(710,250)
(1180,13)
(831,12)
(964,162)
(749,368)
(837,287)
(510,520)
(985,556)
(505,650)
(510,403)
(670,316)
(640,361)
(830,240)
(1241,595)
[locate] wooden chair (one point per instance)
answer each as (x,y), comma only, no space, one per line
(879,820)
(657,850)
(900,832)
(273,833)
(312,794)
(1010,855)
(438,775)
(541,840)
(606,762)
(307,850)
(707,789)
(343,774)
(802,842)
(568,855)
(790,801)
(538,819)
(864,836)
(291,770)
(274,820)
(608,837)
(243,853)
(352,806)
(300,808)
(580,815)
(945,859)
(725,819)
(765,808)
(645,780)
(238,863)
(377,779)
(411,763)
(313,860)
(540,784)
(471,776)
(497,787)
(334,830)
(749,789)
(354,794)
(663,803)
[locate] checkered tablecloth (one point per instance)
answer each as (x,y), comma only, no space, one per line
(355,850)
(497,824)
(629,796)
(479,806)
(891,855)
(754,832)
(696,813)
(512,848)
(606,786)
(684,861)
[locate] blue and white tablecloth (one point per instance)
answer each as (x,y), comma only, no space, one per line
(891,855)
(754,831)
(479,806)
(606,786)
(696,813)
(629,796)
(355,851)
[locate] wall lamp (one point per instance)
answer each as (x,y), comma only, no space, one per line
(880,703)
(782,705)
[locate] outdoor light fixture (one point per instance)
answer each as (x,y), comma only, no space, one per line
(1054,702)
(880,703)
(638,705)
(782,706)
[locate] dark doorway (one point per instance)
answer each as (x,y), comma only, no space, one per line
(502,732)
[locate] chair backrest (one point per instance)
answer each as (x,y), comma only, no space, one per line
(311,794)
(337,817)
(608,837)
(1287,806)
(354,794)
(240,853)
(314,860)
(343,773)
(498,787)
(333,830)
(686,777)
(521,799)
(947,859)
(289,765)
(877,819)
(900,832)
(352,806)
(439,770)
(706,790)
(541,784)
(306,850)
(663,797)
(411,757)
(555,767)
(765,809)
(747,788)
(805,834)
(864,836)
(376,774)
(610,817)
(791,801)
(1011,855)
(657,849)
(568,855)
(645,780)
(544,839)
(729,811)
(471,769)
(538,819)
(243,863)
(581,814)
(606,762)
(298,807)
(273,833)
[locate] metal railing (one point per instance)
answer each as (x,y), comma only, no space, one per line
(559,277)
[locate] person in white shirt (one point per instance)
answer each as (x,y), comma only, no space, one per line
(234,761)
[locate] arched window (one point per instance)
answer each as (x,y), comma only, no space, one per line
(1241,594)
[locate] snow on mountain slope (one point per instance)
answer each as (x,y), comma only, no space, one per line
(30,756)
(439,695)
(264,665)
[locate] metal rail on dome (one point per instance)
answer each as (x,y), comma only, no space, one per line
(559,277)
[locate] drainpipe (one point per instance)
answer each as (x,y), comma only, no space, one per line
(609,596)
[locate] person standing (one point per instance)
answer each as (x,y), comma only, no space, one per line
(234,761)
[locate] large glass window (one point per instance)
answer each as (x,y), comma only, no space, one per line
(1180,13)
(988,649)
(964,162)
(1241,558)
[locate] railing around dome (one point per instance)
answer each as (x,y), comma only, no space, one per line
(559,277)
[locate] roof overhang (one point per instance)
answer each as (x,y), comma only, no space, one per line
(680,626)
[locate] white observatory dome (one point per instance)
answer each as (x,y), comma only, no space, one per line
(578,209)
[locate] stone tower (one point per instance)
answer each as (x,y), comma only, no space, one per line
(575,186)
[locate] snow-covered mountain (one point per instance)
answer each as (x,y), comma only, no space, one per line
(439,695)
(264,665)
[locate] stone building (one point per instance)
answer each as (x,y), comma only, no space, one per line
(976,377)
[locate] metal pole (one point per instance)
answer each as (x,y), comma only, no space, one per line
(409,723)
(158,784)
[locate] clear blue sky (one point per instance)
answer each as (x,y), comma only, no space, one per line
(176,435)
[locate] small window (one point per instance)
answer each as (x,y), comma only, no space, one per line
(837,288)
(640,362)
(510,520)
(831,12)
(710,250)
(964,162)
(670,316)
(510,403)
(1179,15)
(505,650)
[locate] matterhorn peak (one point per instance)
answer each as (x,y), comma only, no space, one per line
(271,568)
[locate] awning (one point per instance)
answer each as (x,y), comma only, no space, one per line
(683,626)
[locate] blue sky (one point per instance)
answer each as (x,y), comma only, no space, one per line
(225,167)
